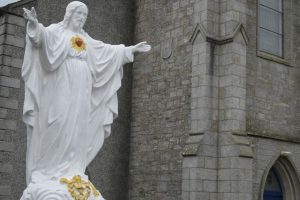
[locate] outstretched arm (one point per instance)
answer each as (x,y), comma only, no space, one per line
(33,27)
(31,16)
(141,47)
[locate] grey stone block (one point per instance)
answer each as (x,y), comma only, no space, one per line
(15,41)
(5,190)
(2,39)
(196,185)
(6,168)
(4,91)
(16,20)
(185,185)
(192,162)
(9,82)
(15,62)
(210,163)
(5,71)
(6,146)
(8,124)
(203,174)
(199,195)
(241,186)
(228,196)
(229,151)
(185,173)
(209,186)
(229,174)
(224,186)
(185,196)
(2,29)
(8,103)
(10,29)
(3,113)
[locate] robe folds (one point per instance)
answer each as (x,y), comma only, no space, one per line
(70,99)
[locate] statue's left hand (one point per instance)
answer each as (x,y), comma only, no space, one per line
(30,15)
(141,47)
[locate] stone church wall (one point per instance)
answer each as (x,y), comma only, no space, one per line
(273,85)
(160,99)
(12,137)
(273,96)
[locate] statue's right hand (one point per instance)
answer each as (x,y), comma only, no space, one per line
(30,15)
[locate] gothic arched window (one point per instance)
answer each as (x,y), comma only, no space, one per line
(281,181)
(273,188)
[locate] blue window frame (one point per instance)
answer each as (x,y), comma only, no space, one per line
(273,186)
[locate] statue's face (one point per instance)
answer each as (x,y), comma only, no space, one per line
(79,17)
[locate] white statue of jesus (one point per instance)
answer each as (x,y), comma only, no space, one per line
(71,83)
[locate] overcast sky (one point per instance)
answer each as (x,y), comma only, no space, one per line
(5,2)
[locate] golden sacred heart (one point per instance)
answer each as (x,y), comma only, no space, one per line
(79,41)
(78,44)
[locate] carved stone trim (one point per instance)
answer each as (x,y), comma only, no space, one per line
(245,147)
(192,144)
(216,39)
(166,48)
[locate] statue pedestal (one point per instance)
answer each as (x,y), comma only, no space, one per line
(63,189)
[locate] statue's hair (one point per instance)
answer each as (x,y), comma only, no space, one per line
(70,10)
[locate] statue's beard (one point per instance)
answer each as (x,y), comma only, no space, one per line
(78,24)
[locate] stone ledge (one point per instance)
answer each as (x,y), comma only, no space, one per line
(267,135)
(268,56)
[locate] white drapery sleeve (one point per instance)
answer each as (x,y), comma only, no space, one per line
(106,63)
(44,52)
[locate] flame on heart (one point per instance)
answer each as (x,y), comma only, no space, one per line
(78,43)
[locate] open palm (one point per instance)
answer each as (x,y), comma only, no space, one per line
(142,47)
(30,15)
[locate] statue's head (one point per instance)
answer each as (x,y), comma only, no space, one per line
(76,14)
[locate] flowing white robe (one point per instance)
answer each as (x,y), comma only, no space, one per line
(70,100)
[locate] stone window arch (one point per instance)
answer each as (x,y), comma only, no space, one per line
(284,173)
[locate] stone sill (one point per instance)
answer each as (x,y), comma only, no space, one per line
(273,58)
(279,138)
